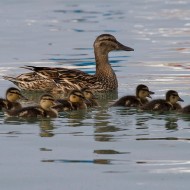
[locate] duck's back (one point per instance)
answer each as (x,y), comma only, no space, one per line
(186,109)
(157,105)
(128,101)
(27,112)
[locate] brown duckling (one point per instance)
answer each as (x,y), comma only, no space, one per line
(43,110)
(11,101)
(167,104)
(142,92)
(186,109)
(91,100)
(75,101)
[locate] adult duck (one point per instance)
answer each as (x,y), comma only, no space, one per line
(46,78)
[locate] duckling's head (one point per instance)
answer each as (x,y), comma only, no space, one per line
(142,91)
(106,43)
(76,96)
(88,94)
(47,101)
(172,96)
(13,94)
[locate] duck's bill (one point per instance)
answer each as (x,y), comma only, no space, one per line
(123,47)
(150,92)
(180,100)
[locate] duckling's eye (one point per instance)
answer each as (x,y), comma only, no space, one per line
(73,96)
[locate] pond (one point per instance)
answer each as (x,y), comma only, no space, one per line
(106,147)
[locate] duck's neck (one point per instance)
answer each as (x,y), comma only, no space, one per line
(104,71)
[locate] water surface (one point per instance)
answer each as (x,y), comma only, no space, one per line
(104,148)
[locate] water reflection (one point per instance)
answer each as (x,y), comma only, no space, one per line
(109,152)
(95,161)
(46,128)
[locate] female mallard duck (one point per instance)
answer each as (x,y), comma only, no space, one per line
(170,103)
(43,110)
(91,100)
(45,78)
(11,101)
(75,101)
(142,92)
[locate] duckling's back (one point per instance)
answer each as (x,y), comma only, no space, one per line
(128,101)
(157,105)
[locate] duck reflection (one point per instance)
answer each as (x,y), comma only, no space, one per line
(46,128)
(103,126)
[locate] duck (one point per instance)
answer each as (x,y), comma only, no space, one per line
(10,102)
(74,101)
(91,99)
(46,78)
(185,110)
(142,92)
(169,103)
(44,109)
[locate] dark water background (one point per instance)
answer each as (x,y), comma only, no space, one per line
(104,148)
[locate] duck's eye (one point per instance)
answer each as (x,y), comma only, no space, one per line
(73,96)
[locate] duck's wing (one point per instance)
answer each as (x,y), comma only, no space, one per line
(46,78)
(26,112)
(128,101)
(157,105)
(67,78)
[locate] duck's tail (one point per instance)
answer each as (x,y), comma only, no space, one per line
(12,79)
(34,68)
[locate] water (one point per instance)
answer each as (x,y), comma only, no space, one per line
(104,148)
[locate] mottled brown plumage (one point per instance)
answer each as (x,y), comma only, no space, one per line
(46,78)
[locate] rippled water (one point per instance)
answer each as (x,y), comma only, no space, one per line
(101,148)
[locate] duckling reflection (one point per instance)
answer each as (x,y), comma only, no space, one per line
(142,92)
(11,101)
(43,110)
(46,127)
(167,104)
(75,101)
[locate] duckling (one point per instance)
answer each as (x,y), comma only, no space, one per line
(142,92)
(75,101)
(91,98)
(43,110)
(168,104)
(11,101)
(103,80)
(185,110)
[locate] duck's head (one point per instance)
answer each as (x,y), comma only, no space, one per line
(172,96)
(76,96)
(14,94)
(47,101)
(142,91)
(88,94)
(106,43)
